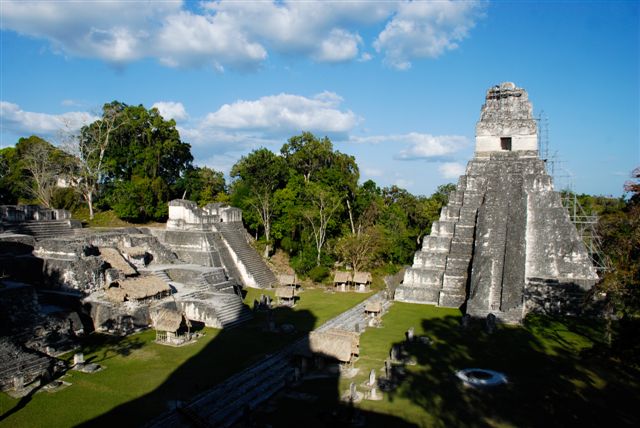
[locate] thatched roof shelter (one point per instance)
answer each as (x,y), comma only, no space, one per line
(137,288)
(342,277)
(337,344)
(362,278)
(115,259)
(168,320)
(373,306)
(116,295)
(285,292)
(286,279)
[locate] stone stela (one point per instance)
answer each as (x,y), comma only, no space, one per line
(504,244)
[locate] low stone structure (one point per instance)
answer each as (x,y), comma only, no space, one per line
(214,236)
(36,221)
(504,244)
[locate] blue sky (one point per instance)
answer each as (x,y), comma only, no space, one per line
(397,84)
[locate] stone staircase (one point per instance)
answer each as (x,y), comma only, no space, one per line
(440,268)
(233,234)
(42,229)
(229,308)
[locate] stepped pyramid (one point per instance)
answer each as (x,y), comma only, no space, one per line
(504,244)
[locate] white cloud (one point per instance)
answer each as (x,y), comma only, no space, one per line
(372,172)
(114,31)
(15,120)
(403,183)
(426,30)
(284,114)
(187,39)
(426,146)
(171,110)
(242,34)
(451,169)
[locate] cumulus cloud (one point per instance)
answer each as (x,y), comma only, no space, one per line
(284,114)
(117,32)
(418,145)
(451,169)
(241,35)
(171,110)
(15,120)
(426,30)
(429,147)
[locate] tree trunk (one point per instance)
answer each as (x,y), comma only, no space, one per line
(353,228)
(90,204)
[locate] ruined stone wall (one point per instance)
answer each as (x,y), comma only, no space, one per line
(186,215)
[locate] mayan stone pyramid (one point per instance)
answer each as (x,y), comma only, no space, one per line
(504,244)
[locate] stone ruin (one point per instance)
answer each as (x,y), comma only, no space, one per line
(504,244)
(36,221)
(57,283)
(215,236)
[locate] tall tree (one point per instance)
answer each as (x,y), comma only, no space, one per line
(262,172)
(321,205)
(307,154)
(144,162)
(203,185)
(89,148)
(43,163)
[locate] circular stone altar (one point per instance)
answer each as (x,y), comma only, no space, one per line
(481,377)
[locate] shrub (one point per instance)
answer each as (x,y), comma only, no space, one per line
(318,273)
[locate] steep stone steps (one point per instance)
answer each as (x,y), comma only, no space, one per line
(234,236)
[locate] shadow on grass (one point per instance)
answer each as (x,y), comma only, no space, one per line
(551,382)
(228,353)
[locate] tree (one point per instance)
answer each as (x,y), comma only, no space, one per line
(89,148)
(43,163)
(321,205)
(203,185)
(306,154)
(360,250)
(620,236)
(262,173)
(12,177)
(144,154)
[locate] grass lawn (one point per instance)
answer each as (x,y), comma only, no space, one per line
(142,377)
(556,377)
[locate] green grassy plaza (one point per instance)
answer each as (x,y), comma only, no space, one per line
(142,377)
(556,376)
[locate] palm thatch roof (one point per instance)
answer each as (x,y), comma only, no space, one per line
(116,295)
(144,286)
(286,279)
(362,278)
(335,344)
(115,259)
(168,320)
(374,306)
(137,288)
(285,292)
(342,277)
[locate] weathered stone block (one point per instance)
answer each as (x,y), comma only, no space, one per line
(430,260)
(436,243)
